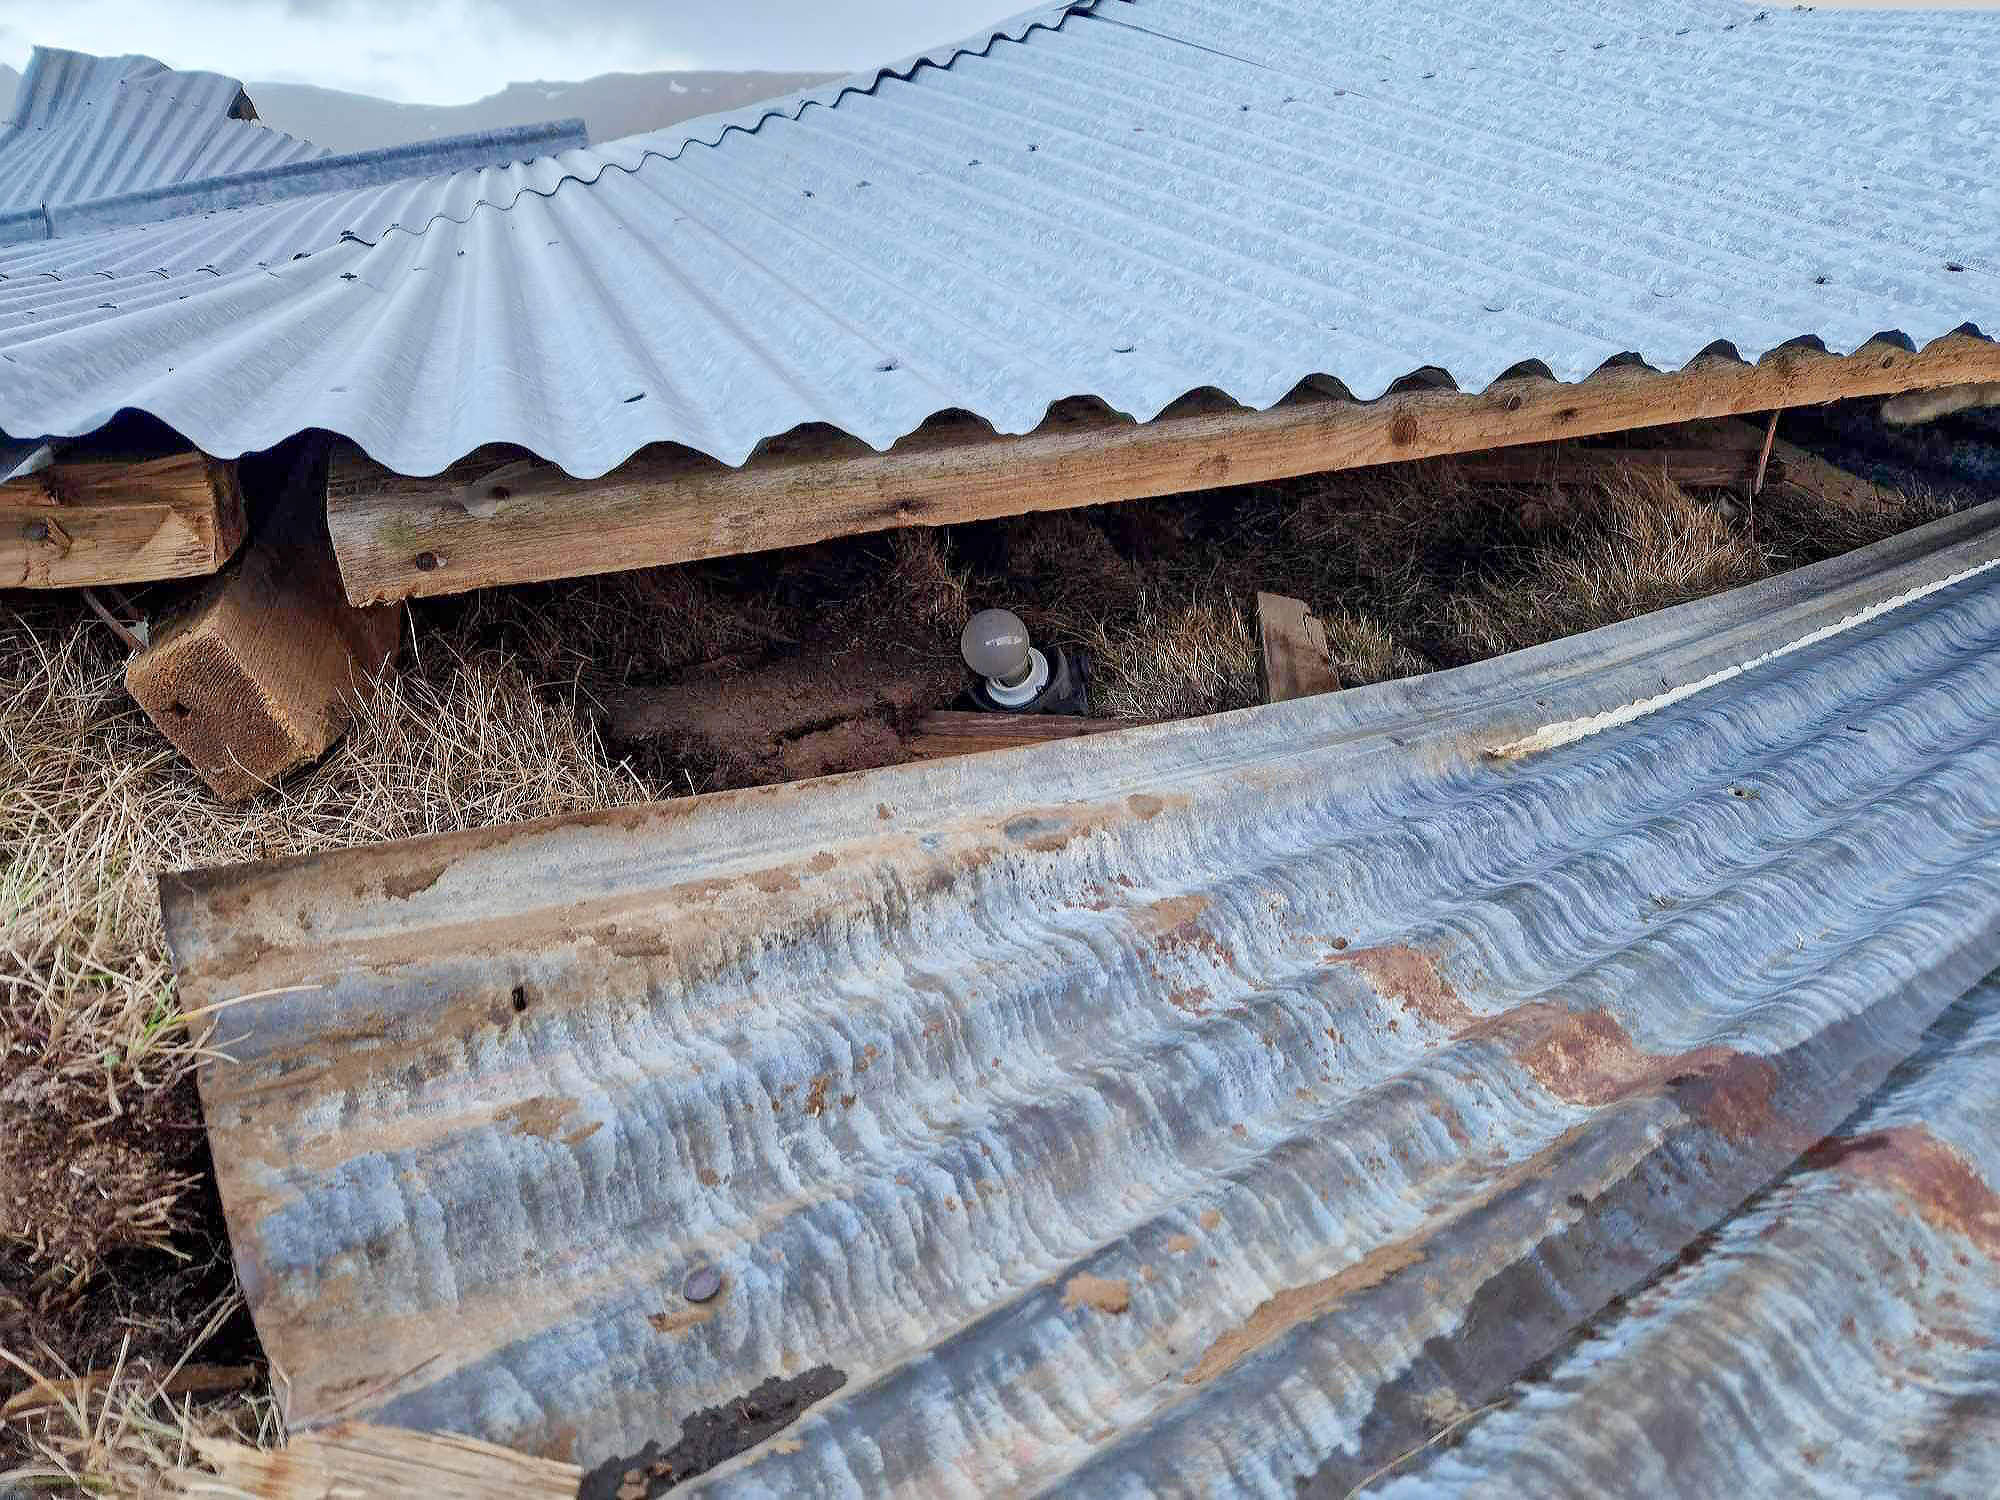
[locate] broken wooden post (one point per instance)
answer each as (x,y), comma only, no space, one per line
(95,521)
(1293,658)
(258,674)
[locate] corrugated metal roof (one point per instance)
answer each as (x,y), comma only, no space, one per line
(103,143)
(1125,198)
(97,127)
(1207,1107)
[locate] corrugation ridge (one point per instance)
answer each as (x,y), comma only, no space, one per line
(1752,1317)
(1923,626)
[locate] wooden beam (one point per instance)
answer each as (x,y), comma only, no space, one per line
(1293,660)
(99,521)
(948,732)
(357,1461)
(258,673)
(502,516)
(1566,463)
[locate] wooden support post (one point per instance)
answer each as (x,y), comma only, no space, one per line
(1293,659)
(98,521)
(257,674)
(504,516)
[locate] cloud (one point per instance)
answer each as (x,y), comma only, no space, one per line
(453,51)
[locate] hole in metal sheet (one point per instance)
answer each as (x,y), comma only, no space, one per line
(427,562)
(520,999)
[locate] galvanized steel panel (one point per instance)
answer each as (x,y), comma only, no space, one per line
(1212,1106)
(99,127)
(1127,198)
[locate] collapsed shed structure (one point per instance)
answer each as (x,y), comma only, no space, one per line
(1237,1103)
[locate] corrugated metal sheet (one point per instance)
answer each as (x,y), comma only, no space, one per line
(103,143)
(97,127)
(1208,1107)
(1126,198)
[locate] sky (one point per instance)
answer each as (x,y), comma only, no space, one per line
(455,51)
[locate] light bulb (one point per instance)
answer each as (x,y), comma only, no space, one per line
(995,645)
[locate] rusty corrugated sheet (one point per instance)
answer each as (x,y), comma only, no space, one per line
(1216,1106)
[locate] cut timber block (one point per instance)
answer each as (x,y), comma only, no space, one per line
(258,674)
(99,521)
(356,1461)
(1293,660)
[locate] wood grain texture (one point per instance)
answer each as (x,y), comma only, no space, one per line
(503,516)
(947,732)
(356,1461)
(1293,660)
(256,674)
(99,521)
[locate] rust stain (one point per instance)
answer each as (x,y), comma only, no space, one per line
(1286,1310)
(708,1177)
(1410,976)
(1180,1244)
(1586,1057)
(541,1116)
(1145,805)
(681,1319)
(403,884)
(816,1094)
(1211,1219)
(1943,1187)
(578,1137)
(1104,1293)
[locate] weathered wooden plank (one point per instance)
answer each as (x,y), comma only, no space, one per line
(101,521)
(357,1461)
(257,674)
(1293,660)
(501,516)
(948,732)
(1927,406)
(1566,463)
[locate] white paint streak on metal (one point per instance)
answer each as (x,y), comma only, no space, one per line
(1569,731)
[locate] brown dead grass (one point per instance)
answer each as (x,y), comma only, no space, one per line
(108,1246)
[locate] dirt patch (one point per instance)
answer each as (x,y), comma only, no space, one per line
(1410,977)
(1279,1314)
(541,1116)
(1104,1293)
(786,720)
(712,1436)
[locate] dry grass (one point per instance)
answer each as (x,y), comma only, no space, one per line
(113,1262)
(1647,546)
(107,1243)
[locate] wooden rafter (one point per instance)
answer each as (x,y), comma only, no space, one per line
(93,521)
(502,516)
